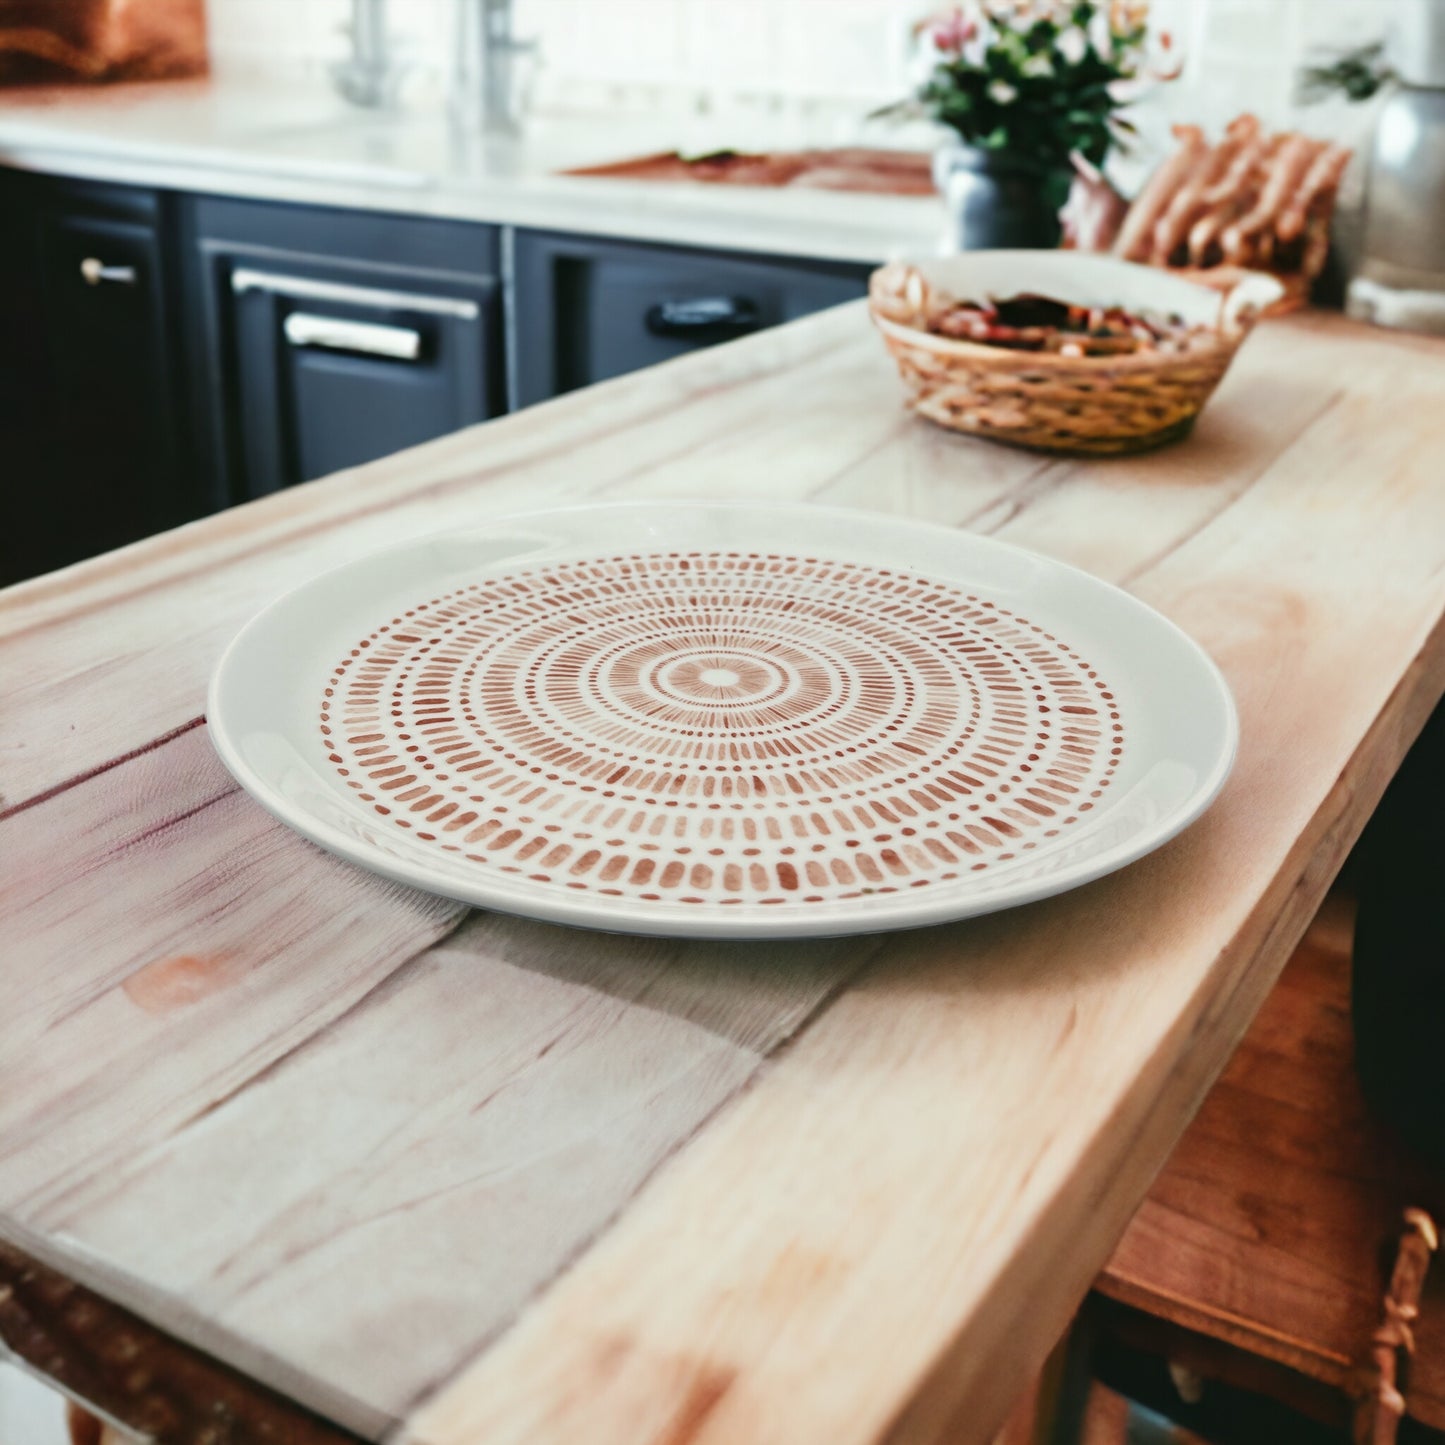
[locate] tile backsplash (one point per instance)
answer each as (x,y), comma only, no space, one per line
(831,56)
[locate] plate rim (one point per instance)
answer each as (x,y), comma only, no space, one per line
(858,917)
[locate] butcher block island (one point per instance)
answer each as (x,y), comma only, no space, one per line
(444,1176)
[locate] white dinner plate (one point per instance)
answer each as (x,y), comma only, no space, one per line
(714,720)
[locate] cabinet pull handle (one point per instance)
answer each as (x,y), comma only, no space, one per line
(396,343)
(304,288)
(93,271)
(704,318)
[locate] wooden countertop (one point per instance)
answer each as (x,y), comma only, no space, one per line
(471,1178)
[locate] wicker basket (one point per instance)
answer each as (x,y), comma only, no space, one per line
(1042,399)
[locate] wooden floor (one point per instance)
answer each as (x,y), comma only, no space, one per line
(1268,1237)
(1275,1222)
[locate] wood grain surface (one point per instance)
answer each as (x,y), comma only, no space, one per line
(464,1178)
(354,1076)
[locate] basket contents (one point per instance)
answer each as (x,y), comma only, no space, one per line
(1125,362)
(1030,322)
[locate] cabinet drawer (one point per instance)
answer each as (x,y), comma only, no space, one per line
(587,309)
(338,337)
(330,373)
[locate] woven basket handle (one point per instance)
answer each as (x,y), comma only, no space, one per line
(1245,300)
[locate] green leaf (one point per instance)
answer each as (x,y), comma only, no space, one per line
(1050,116)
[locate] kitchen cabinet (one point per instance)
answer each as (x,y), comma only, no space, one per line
(585,309)
(96,434)
(333,337)
(21,391)
(164,355)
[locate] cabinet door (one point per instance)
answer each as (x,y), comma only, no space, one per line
(102,446)
(336,338)
(331,374)
(586,309)
(22,390)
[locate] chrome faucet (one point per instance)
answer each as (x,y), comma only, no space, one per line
(485,95)
(368,76)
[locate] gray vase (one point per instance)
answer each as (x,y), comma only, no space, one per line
(997,200)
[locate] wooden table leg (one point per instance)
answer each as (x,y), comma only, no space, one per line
(1053,1409)
(1381,1405)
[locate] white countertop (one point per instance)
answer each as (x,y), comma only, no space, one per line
(297,141)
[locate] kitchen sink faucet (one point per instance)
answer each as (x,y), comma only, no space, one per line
(368,76)
(485,95)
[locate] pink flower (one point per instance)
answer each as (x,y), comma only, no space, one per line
(952,32)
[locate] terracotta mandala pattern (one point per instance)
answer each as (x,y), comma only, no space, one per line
(731,728)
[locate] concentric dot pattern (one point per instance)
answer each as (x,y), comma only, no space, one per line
(722,728)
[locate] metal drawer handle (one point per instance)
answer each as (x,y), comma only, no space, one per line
(704,318)
(397,343)
(303,288)
(93,271)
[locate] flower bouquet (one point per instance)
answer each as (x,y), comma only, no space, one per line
(1033,89)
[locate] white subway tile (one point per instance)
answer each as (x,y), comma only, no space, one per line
(776,55)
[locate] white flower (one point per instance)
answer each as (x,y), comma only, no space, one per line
(1072,43)
(1101,35)
(1037,66)
(978,45)
(1001,92)
(1126,91)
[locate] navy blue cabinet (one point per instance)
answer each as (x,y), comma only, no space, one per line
(586,309)
(165,355)
(22,392)
(331,338)
(94,417)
